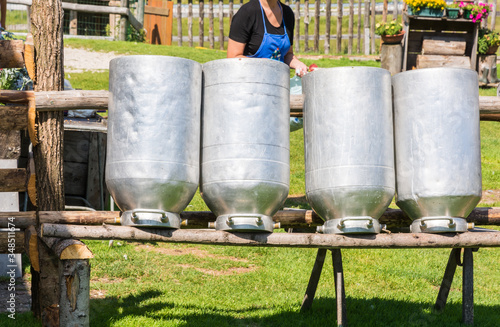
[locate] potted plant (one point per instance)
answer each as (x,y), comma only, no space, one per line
(429,8)
(475,12)
(488,41)
(453,10)
(391,32)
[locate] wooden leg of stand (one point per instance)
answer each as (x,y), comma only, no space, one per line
(468,288)
(444,290)
(339,287)
(313,280)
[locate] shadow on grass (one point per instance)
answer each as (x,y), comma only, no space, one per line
(360,312)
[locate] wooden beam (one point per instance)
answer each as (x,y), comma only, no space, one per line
(11,53)
(13,117)
(68,100)
(5,240)
(298,240)
(150,10)
(200,219)
(314,280)
(22,220)
(13,180)
(10,96)
(449,273)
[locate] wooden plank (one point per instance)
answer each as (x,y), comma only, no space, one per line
(159,27)
(13,117)
(316,25)
(11,54)
(429,61)
(10,144)
(327,25)
(96,188)
(297,240)
(158,11)
(13,180)
(211,39)
(450,45)
(339,25)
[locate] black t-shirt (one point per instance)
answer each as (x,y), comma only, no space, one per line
(247,26)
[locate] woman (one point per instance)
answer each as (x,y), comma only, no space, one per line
(264,29)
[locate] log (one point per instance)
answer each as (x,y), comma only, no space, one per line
(10,96)
(31,246)
(22,220)
(11,53)
(200,219)
(74,300)
(295,240)
(13,180)
(67,248)
(391,57)
(429,61)
(440,45)
(69,100)
(489,105)
(5,240)
(13,117)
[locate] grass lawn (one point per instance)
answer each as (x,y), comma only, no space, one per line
(159,284)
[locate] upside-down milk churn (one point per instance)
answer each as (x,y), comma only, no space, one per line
(245,172)
(152,167)
(438,153)
(349,152)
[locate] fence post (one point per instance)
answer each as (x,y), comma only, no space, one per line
(372,27)
(384,11)
(316,25)
(367,27)
(221,25)
(340,13)
(201,23)
(351,26)
(190,22)
(211,39)
(396,10)
(327,25)
(360,4)
(179,22)
(306,25)
(73,20)
(123,22)
(140,11)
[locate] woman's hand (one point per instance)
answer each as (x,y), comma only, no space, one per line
(295,63)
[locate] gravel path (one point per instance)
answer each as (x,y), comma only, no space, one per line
(80,60)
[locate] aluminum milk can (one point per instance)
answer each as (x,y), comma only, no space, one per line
(245,172)
(349,156)
(152,168)
(438,153)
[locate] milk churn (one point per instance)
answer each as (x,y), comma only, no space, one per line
(152,168)
(349,156)
(245,172)
(438,153)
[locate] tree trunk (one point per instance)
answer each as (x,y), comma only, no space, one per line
(46,26)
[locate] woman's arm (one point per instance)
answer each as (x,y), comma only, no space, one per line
(295,63)
(235,49)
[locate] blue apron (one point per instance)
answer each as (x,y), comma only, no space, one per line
(273,46)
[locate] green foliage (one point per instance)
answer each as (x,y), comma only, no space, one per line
(391,28)
(486,39)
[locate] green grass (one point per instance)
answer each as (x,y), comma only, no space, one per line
(198,285)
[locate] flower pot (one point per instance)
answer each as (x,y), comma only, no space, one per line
(466,14)
(452,13)
(393,39)
(426,12)
(492,50)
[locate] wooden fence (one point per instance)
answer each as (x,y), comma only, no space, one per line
(311,17)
